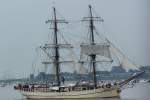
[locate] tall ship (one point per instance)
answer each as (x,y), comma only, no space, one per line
(94,52)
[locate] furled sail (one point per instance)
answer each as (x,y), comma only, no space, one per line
(97,49)
(67,46)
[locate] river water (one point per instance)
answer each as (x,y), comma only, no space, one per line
(141,91)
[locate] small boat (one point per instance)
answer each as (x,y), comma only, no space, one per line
(3,84)
(143,81)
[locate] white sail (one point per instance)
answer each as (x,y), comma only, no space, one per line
(97,49)
(124,61)
(128,64)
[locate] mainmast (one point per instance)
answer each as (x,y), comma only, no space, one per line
(93,56)
(56,61)
(91,20)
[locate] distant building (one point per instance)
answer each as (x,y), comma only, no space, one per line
(147,72)
(117,69)
(31,76)
(116,73)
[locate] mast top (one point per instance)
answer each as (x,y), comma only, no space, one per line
(91,19)
(90,6)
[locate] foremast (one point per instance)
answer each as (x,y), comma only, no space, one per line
(55,44)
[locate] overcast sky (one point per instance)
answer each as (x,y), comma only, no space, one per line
(23,28)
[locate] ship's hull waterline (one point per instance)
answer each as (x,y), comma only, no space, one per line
(97,93)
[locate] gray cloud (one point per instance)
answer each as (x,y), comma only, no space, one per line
(22,28)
